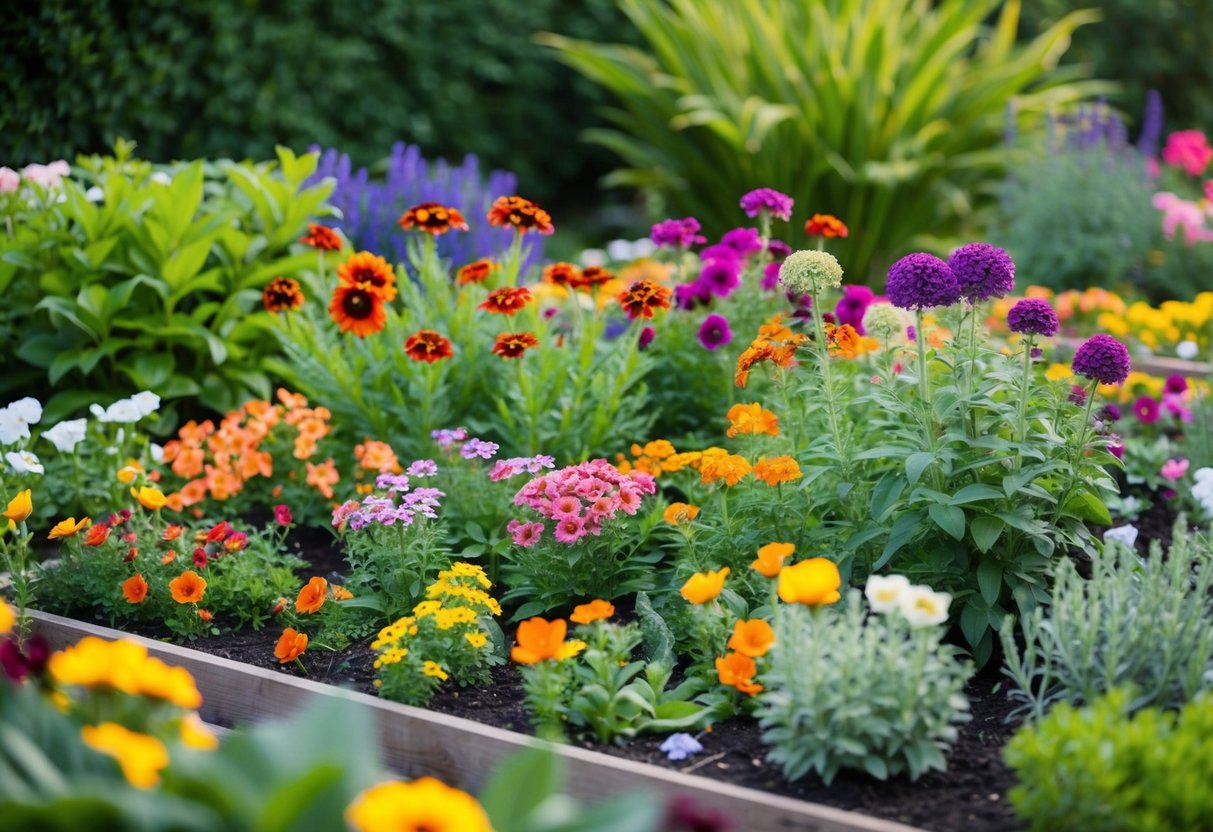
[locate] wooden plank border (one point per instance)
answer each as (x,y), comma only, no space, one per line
(461,752)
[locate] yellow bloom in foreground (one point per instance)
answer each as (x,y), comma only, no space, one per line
(8,618)
(68,528)
(141,756)
(124,666)
(149,497)
(20,507)
(812,582)
(195,734)
(425,805)
(434,670)
(704,586)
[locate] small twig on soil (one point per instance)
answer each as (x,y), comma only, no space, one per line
(703,762)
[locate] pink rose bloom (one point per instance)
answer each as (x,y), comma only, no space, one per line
(1188,149)
(1173,469)
(10,180)
(1209,189)
(48,176)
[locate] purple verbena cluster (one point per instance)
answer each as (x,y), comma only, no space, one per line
(386,511)
(448,437)
(479,448)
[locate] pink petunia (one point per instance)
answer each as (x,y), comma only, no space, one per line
(1174,469)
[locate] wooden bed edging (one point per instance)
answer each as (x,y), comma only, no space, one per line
(461,752)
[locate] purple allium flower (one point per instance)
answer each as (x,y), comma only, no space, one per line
(646,337)
(1146,409)
(921,281)
(1175,384)
(1033,316)
(715,332)
(770,276)
(682,233)
(478,448)
(744,241)
(852,305)
(766,199)
(680,746)
(1102,358)
(1109,413)
(778,249)
(721,277)
(983,271)
(1078,395)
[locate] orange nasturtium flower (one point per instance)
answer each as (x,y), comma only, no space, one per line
(539,639)
(323,477)
(506,300)
(20,507)
(134,589)
(149,497)
(514,344)
(424,804)
(771,557)
(777,470)
(643,298)
(704,586)
(596,610)
(322,238)
(825,225)
(428,346)
(140,756)
(477,271)
(188,587)
(738,670)
(752,638)
(812,582)
(311,597)
(282,294)
(369,271)
(68,528)
(290,646)
(751,418)
(520,214)
(433,218)
(679,514)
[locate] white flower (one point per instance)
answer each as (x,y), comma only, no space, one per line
(24,462)
(28,409)
(644,247)
(923,607)
(161,178)
(12,427)
(65,436)
(884,593)
(1202,491)
(157,452)
(1187,350)
(123,410)
(593,257)
(620,251)
(94,194)
(147,403)
(1126,534)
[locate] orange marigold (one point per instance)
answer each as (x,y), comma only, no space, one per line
(723,466)
(506,300)
(679,514)
(520,214)
(514,344)
(428,346)
(134,589)
(477,271)
(322,237)
(358,310)
(825,225)
(751,418)
(290,646)
(776,470)
(188,587)
(282,294)
(311,598)
(371,272)
(844,341)
(704,586)
(643,298)
(377,456)
(433,218)
(97,535)
(771,557)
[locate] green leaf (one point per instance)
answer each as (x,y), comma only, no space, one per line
(949,518)
(902,532)
(989,580)
(974,492)
(1086,506)
(658,638)
(518,789)
(916,464)
(884,496)
(985,530)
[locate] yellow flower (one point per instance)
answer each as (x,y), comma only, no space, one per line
(20,507)
(448,618)
(704,586)
(812,582)
(195,734)
(771,557)
(679,514)
(392,655)
(149,497)
(476,639)
(140,756)
(124,666)
(424,804)
(427,608)
(1058,372)
(751,418)
(434,670)
(128,472)
(68,528)
(8,618)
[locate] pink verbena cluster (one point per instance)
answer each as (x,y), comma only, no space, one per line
(579,499)
(504,469)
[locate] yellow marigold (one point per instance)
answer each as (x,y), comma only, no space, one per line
(8,618)
(426,608)
(448,618)
(751,418)
(195,734)
(1058,372)
(140,756)
(434,670)
(424,804)
(812,582)
(392,655)
(704,586)
(777,469)
(465,570)
(476,639)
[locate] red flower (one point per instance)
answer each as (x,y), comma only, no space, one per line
(520,214)
(477,271)
(201,559)
(433,218)
(825,225)
(219,532)
(507,300)
(282,515)
(428,346)
(322,237)
(514,344)
(643,298)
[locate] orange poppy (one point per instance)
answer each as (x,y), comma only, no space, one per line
(311,597)
(134,589)
(596,610)
(825,225)
(643,298)
(68,528)
(369,271)
(282,294)
(433,218)
(738,670)
(539,639)
(506,300)
(771,557)
(752,638)
(428,346)
(188,587)
(679,514)
(322,237)
(514,344)
(290,646)
(477,271)
(520,214)
(97,535)
(358,310)
(704,586)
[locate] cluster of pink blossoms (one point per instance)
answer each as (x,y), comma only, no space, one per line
(579,499)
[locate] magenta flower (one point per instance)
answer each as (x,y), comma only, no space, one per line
(1146,409)
(983,271)
(682,233)
(1175,384)
(854,302)
(778,249)
(569,530)
(1173,403)
(1188,149)
(721,277)
(744,241)
(1174,469)
(1116,446)
(767,200)
(715,332)
(646,337)
(770,276)
(921,281)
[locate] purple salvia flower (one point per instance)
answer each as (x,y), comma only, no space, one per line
(921,281)
(478,448)
(983,271)
(769,200)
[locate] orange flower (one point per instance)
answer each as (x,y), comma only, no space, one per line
(171,532)
(340,593)
(771,558)
(751,418)
(539,639)
(477,271)
(97,535)
(279,606)
(752,638)
(357,310)
(323,477)
(322,237)
(596,610)
(643,298)
(68,528)
(520,214)
(371,272)
(723,466)
(506,300)
(291,645)
(428,346)
(150,498)
(205,615)
(311,597)
(844,341)
(593,276)
(188,587)
(377,456)
(169,556)
(776,470)
(704,586)
(433,218)
(282,294)
(738,670)
(562,274)
(134,589)
(514,344)
(813,582)
(825,225)
(679,514)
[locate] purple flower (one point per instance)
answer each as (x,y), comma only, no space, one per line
(689,295)
(423,468)
(1102,358)
(393,482)
(715,332)
(744,241)
(765,199)
(1033,316)
(778,249)
(854,302)
(446,437)
(983,271)
(721,277)
(682,233)
(1078,395)
(646,337)
(1116,446)
(1109,413)
(1173,403)
(921,281)
(680,746)
(1146,409)
(478,448)
(1175,384)
(770,276)
(911,333)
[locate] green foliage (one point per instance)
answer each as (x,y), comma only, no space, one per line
(156,286)
(1147,625)
(887,113)
(1100,769)
(394,563)
(856,691)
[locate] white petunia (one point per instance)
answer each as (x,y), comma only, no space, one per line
(24,462)
(12,427)
(28,409)
(1187,350)
(884,592)
(147,403)
(1202,491)
(923,607)
(124,411)
(65,436)
(1126,534)
(620,251)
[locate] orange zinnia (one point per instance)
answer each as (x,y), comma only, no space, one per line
(428,346)
(68,528)
(562,274)
(643,298)
(188,587)
(134,589)
(282,294)
(371,272)
(751,418)
(825,225)
(171,532)
(357,310)
(776,470)
(771,557)
(291,645)
(539,639)
(596,610)
(844,341)
(738,670)
(506,300)
(704,586)
(477,271)
(520,214)
(514,344)
(311,597)
(322,237)
(679,514)
(752,638)
(593,276)
(433,218)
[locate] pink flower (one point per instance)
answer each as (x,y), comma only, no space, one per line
(569,530)
(1182,213)
(629,501)
(48,176)
(1173,403)
(1173,469)
(525,535)
(1188,149)
(566,507)
(10,180)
